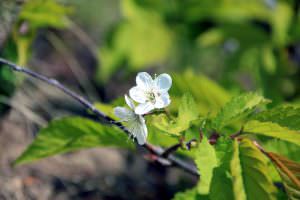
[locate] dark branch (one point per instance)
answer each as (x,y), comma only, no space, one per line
(88,105)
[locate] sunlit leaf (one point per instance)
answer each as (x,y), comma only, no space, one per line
(238,107)
(206,161)
(272,130)
(72,133)
(187,112)
(249,171)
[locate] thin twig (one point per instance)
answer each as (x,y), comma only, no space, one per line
(238,133)
(175,147)
(87,104)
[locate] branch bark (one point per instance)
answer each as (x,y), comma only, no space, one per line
(159,152)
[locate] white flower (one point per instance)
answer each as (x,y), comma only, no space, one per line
(151,93)
(135,123)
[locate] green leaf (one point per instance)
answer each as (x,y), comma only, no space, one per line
(221,185)
(206,161)
(289,172)
(191,194)
(187,113)
(72,133)
(237,108)
(106,108)
(287,116)
(272,130)
(249,171)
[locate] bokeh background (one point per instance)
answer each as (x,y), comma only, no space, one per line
(212,48)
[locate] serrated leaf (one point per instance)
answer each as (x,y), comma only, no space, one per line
(187,113)
(188,108)
(287,116)
(272,130)
(236,108)
(289,172)
(72,133)
(206,161)
(249,171)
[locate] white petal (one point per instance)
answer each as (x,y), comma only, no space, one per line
(142,133)
(129,102)
(144,80)
(162,101)
(138,129)
(123,113)
(138,94)
(163,82)
(144,108)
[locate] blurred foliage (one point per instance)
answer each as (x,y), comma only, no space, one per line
(245,45)
(35,15)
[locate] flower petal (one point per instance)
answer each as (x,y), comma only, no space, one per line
(163,82)
(144,108)
(138,129)
(129,102)
(162,101)
(142,133)
(144,80)
(138,94)
(123,113)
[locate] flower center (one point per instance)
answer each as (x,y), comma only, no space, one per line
(151,96)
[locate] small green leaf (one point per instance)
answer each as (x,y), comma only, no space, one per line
(238,107)
(72,133)
(272,130)
(206,161)
(249,171)
(187,113)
